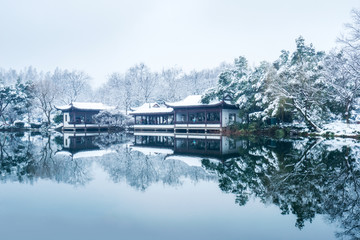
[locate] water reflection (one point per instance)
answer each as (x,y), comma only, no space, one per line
(147,160)
(304,177)
(217,147)
(26,158)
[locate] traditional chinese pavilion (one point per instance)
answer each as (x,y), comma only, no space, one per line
(78,116)
(187,116)
(153,116)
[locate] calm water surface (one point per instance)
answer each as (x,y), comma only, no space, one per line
(121,186)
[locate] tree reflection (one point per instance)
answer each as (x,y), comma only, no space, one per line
(141,170)
(26,158)
(304,177)
(15,157)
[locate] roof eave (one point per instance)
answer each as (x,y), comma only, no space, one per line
(150,113)
(221,103)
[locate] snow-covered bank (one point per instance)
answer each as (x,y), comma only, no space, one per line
(334,129)
(341,129)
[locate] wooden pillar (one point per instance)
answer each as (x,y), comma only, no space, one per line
(205,117)
(221,120)
(85,121)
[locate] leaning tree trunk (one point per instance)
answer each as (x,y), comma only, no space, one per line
(306,117)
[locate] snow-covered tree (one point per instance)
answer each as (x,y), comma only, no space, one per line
(46,93)
(254,98)
(246,87)
(172,83)
(351,39)
(73,85)
(300,83)
(114,118)
(118,91)
(199,81)
(344,68)
(343,84)
(145,81)
(231,82)
(14,100)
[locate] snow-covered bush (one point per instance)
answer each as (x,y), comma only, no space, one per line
(116,118)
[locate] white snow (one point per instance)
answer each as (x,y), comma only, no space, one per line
(63,153)
(341,128)
(190,161)
(86,106)
(192,100)
(93,153)
(146,106)
(86,154)
(151,108)
(152,151)
(339,143)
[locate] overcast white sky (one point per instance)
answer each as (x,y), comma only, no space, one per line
(104,36)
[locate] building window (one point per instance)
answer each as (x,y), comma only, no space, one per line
(89,118)
(79,119)
(181,117)
(213,145)
(232,144)
(171,119)
(200,117)
(197,144)
(192,117)
(213,117)
(65,117)
(232,117)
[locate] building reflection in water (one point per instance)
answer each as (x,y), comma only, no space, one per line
(139,160)
(217,147)
(80,142)
(88,144)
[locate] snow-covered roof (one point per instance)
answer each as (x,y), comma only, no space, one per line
(194,100)
(85,106)
(148,108)
(146,105)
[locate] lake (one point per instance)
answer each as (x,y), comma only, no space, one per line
(161,186)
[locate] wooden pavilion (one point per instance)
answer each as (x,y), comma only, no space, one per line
(78,116)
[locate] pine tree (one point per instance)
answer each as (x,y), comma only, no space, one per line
(300,83)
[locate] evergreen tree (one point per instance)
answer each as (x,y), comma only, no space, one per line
(300,83)
(248,89)
(14,101)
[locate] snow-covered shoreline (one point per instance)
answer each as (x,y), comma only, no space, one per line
(341,129)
